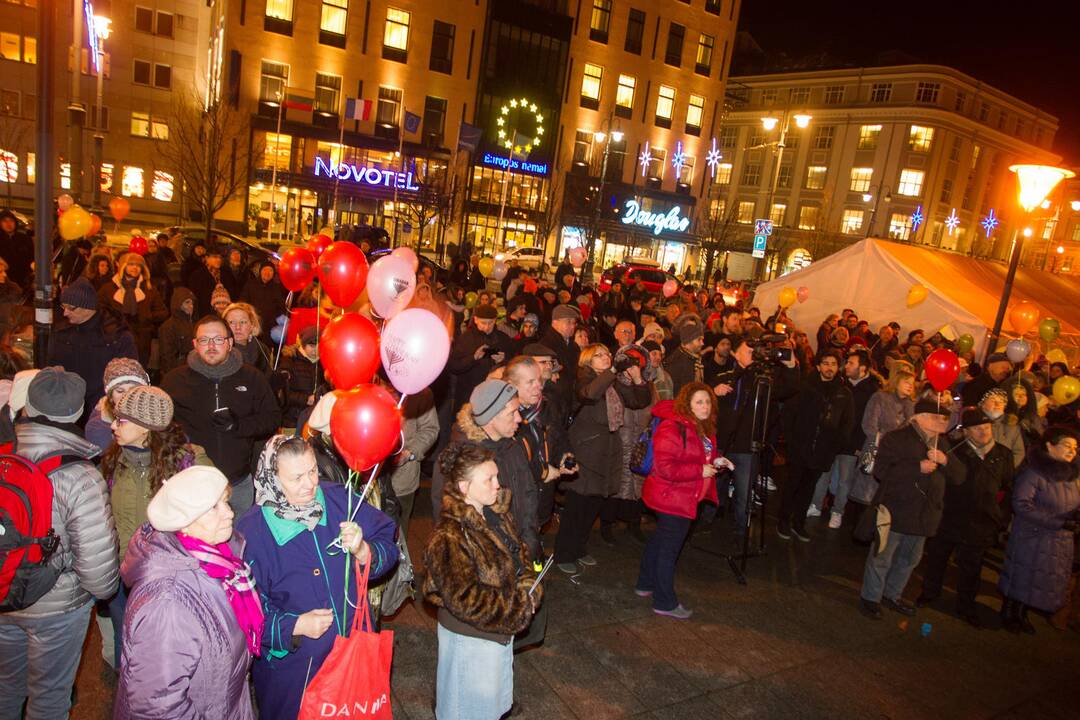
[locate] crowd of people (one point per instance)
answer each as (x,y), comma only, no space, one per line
(202,510)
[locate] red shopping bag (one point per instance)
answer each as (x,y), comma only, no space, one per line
(354,680)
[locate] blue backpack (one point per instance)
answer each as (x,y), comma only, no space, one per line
(641,456)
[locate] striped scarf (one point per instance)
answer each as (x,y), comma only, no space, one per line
(218,562)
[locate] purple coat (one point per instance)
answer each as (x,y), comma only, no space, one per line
(184,655)
(1038,561)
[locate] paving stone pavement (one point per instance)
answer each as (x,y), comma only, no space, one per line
(790,644)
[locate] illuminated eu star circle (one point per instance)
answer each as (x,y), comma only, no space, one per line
(917,218)
(990,222)
(712,158)
(507,130)
(952,222)
(678,158)
(644,159)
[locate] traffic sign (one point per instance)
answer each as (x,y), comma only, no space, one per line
(763,227)
(760,242)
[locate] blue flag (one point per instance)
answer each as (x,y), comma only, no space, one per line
(412,123)
(468,137)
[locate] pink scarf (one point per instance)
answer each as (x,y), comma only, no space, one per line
(218,562)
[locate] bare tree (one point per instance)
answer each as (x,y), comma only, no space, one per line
(209,148)
(435,200)
(718,231)
(14,133)
(550,218)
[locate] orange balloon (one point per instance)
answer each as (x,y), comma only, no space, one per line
(1023,316)
(119,207)
(95,225)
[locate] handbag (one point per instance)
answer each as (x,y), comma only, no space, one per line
(873,527)
(868,456)
(354,680)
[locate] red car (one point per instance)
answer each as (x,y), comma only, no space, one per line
(630,274)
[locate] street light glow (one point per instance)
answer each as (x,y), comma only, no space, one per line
(1060,249)
(769,123)
(802,119)
(599,136)
(1027,232)
(867,197)
(1075,205)
(1036,182)
(616,135)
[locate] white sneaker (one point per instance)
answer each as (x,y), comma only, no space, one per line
(834,520)
(769,484)
(813,511)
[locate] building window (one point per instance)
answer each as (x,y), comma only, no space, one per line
(745,212)
(957,145)
(823,137)
(686,172)
(783,177)
(657,163)
(396,35)
(800,96)
(808,217)
(723,174)
(279,9)
(162,187)
(776,214)
(911,182)
(133,182)
(387,114)
(834,94)
(728,137)
(106,177)
(694,113)
(751,175)
(65,175)
(815,177)
(665,105)
(278,151)
(162,76)
(961,101)
(30,53)
(757,137)
(713,6)
(9,167)
(159,128)
(583,147)
(919,138)
(881,92)
(442,48)
(434,119)
(673,54)
(860,179)
(927,92)
(164,25)
(768,96)
(591,80)
(624,95)
(600,20)
(946,190)
(975,150)
(635,30)
(141,72)
(335,14)
(9,102)
(703,64)
(272,81)
(327,93)
(144,19)
(900,226)
(868,136)
(851,222)
(984,112)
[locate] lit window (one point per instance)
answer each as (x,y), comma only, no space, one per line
(703,65)
(396,34)
(881,92)
(927,92)
(860,179)
(31,167)
(327,93)
(723,174)
(686,171)
(746,212)
(278,151)
(590,85)
(334,15)
(600,20)
(106,177)
(777,213)
(665,102)
(133,183)
(9,167)
(9,46)
(583,141)
(900,226)
(919,138)
(911,182)
(279,9)
(808,217)
(159,129)
(834,94)
(694,112)
(624,95)
(65,175)
(162,189)
(815,177)
(140,124)
(851,222)
(657,163)
(868,136)
(30,52)
(274,76)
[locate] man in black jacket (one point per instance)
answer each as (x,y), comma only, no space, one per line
(17,248)
(863,385)
(223,405)
(475,352)
(818,422)
(998,367)
(559,337)
(684,363)
(913,470)
(972,516)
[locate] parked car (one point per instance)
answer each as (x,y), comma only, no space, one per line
(650,276)
(530,258)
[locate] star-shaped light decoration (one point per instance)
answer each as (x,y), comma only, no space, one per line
(952,222)
(713,157)
(990,222)
(678,159)
(917,218)
(644,159)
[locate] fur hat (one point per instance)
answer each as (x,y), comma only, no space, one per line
(56,394)
(185,497)
(689,332)
(149,407)
(124,370)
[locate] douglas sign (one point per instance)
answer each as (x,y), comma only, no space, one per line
(658,222)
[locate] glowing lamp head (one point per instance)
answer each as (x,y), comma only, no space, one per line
(616,135)
(802,119)
(1075,205)
(599,136)
(102,26)
(769,123)
(1036,182)
(1027,232)
(1060,249)
(867,197)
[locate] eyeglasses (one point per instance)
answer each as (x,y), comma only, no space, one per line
(204,341)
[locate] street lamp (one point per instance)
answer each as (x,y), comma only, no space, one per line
(867,197)
(1036,182)
(802,120)
(102,28)
(612,135)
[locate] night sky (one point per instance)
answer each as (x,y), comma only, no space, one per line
(1029,50)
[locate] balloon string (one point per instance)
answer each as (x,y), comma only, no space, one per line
(374,472)
(318,317)
(349,485)
(284,329)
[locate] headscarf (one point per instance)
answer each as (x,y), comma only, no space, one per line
(268,492)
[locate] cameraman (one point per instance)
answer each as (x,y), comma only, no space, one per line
(754,360)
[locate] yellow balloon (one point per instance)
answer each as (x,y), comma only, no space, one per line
(486,265)
(916,295)
(74,223)
(788,296)
(1066,389)
(1057,355)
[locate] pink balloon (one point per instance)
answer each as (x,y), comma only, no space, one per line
(406,253)
(671,286)
(802,294)
(391,283)
(578,256)
(415,346)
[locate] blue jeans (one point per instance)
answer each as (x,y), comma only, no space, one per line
(657,571)
(117,605)
(475,678)
(741,479)
(887,573)
(38,660)
(837,481)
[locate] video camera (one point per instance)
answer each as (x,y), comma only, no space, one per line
(769,347)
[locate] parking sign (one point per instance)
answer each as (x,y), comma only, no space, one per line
(760,241)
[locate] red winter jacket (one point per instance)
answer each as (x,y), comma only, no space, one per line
(676,485)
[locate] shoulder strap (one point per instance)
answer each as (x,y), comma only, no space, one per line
(54,462)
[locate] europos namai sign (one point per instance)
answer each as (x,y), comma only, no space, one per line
(659,222)
(366,175)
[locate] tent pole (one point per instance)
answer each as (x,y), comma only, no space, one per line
(1014,261)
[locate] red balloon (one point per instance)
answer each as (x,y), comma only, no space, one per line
(138,245)
(349,350)
(365,425)
(318,243)
(297,269)
(942,368)
(343,272)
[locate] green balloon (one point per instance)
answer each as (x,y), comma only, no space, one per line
(964,343)
(1049,329)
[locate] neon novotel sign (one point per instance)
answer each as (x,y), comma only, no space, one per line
(659,222)
(367,175)
(510,164)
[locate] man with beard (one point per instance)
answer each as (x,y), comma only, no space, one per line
(475,352)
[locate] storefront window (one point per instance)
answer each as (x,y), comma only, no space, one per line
(162,189)
(278,151)
(9,167)
(133,183)
(106,177)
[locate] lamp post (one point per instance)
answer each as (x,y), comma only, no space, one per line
(594,231)
(44,215)
(101,27)
(876,197)
(1035,183)
(802,120)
